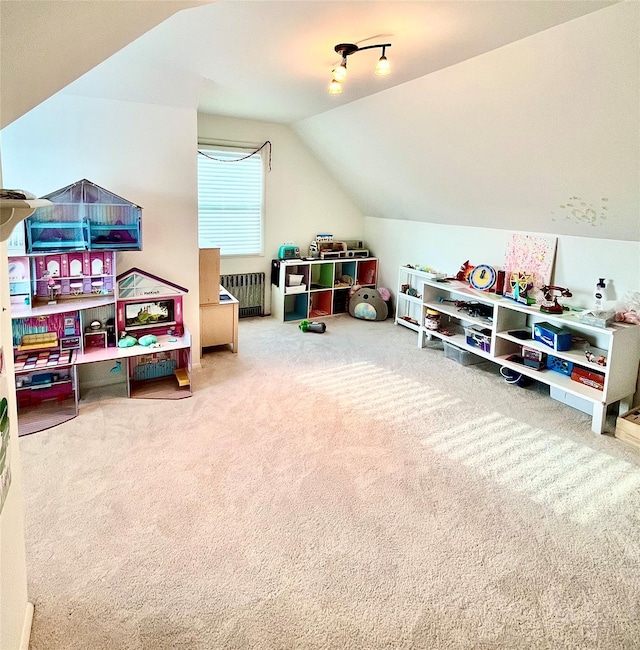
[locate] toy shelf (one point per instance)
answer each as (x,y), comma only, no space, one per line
(619,344)
(452,312)
(327,284)
(408,306)
(576,355)
(551,378)
(296,307)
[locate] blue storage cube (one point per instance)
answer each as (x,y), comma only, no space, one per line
(553,336)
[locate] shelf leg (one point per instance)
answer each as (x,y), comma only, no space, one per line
(626,404)
(599,415)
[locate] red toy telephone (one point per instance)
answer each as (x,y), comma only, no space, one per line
(550,303)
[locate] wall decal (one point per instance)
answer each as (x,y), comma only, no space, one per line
(578,210)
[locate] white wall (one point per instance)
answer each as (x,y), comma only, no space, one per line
(67,46)
(579,261)
(504,139)
(301,199)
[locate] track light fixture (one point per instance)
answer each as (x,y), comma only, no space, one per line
(339,73)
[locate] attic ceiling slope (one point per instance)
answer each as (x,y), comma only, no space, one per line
(514,139)
(71,37)
(271,60)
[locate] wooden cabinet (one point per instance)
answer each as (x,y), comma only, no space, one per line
(599,368)
(318,288)
(219,322)
(209,262)
(219,310)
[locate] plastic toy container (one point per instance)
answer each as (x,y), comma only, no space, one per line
(463,357)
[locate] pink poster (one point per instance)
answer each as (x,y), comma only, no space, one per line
(533,255)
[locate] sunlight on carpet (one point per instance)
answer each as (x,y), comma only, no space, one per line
(571,479)
(394,395)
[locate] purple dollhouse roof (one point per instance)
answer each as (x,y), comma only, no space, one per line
(137,271)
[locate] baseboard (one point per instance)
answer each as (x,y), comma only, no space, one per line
(26,626)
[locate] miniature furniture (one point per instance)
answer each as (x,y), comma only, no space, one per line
(498,328)
(38,341)
(309,289)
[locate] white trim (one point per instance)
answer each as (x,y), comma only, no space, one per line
(26,626)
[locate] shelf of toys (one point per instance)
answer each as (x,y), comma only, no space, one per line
(595,364)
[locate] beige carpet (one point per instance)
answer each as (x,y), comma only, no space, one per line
(338,491)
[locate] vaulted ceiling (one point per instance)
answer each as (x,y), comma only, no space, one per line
(266,60)
(497,112)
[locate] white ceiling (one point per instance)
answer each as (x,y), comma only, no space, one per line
(46,44)
(271,60)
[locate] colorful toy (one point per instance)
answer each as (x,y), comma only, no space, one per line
(464,272)
(311,326)
(147,340)
(520,283)
(126,341)
(368,304)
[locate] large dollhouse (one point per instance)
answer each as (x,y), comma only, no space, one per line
(69,308)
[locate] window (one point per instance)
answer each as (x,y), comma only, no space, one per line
(230,200)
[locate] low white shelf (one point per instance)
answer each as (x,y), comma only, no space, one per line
(620,343)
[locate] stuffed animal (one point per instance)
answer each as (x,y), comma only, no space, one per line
(368,304)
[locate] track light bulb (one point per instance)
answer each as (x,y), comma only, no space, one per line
(382,67)
(340,73)
(335,87)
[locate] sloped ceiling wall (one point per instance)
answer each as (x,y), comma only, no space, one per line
(46,44)
(540,135)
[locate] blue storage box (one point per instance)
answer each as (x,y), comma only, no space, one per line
(562,366)
(553,336)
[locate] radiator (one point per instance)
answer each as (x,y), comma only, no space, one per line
(248,289)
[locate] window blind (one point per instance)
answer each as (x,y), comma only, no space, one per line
(230,200)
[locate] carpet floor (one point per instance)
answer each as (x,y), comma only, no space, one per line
(343,490)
